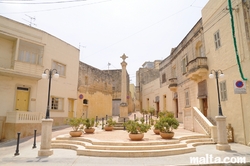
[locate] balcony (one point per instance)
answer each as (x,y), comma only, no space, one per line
(197,68)
(173,84)
(23,70)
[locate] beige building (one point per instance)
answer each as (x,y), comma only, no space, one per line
(209,47)
(99,92)
(220,52)
(94,92)
(144,76)
(25,53)
(183,74)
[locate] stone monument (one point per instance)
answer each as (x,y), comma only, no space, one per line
(124,104)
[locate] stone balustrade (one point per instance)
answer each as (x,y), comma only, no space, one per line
(195,121)
(23,117)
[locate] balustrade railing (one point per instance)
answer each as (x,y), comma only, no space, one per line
(23,117)
(195,121)
(197,63)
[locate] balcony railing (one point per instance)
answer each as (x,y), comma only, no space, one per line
(173,84)
(197,68)
(23,117)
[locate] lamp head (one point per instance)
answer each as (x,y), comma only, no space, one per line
(221,75)
(56,76)
(44,75)
(211,75)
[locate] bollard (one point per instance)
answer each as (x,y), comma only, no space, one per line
(134,116)
(102,123)
(146,119)
(106,118)
(17,145)
(124,124)
(34,145)
(149,119)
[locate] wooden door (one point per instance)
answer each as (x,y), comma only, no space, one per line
(71,108)
(22,99)
(204,103)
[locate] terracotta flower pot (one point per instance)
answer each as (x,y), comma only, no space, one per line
(167,135)
(75,133)
(108,128)
(136,137)
(89,131)
(157,131)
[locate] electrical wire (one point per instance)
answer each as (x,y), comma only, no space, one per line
(46,10)
(234,40)
(40,3)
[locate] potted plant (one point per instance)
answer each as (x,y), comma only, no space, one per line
(157,127)
(136,129)
(109,124)
(89,125)
(166,125)
(76,124)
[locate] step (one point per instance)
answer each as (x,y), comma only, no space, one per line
(139,153)
(136,143)
(146,148)
(192,137)
(134,148)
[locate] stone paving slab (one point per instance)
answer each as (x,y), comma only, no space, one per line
(65,157)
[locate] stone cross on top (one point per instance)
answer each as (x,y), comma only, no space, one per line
(124,57)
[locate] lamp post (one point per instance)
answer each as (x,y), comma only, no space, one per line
(211,75)
(222,143)
(44,76)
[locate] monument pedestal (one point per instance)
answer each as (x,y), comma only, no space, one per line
(46,136)
(222,143)
(123,113)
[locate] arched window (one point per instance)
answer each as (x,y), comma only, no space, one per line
(85,101)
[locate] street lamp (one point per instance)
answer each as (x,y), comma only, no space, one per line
(211,75)
(44,76)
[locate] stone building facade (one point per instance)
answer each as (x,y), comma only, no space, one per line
(148,73)
(95,92)
(25,53)
(220,52)
(99,92)
(208,48)
(183,76)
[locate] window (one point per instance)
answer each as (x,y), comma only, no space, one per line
(164,78)
(30,53)
(59,67)
(217,40)
(199,49)
(223,91)
(187,102)
(56,103)
(184,62)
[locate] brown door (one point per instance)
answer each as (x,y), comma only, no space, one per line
(204,101)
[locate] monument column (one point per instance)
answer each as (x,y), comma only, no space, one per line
(124,105)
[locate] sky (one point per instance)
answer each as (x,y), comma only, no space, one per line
(104,30)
